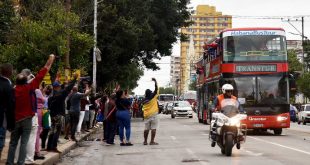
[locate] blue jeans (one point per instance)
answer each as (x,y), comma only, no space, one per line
(2,138)
(22,130)
(123,120)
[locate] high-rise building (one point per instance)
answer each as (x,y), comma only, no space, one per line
(207,23)
(175,71)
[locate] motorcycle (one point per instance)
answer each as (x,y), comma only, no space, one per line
(226,128)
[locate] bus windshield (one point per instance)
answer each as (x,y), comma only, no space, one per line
(261,89)
(165,97)
(254,48)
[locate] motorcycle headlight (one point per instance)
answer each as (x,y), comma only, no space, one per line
(282,118)
(235,122)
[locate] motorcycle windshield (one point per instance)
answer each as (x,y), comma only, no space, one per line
(230,107)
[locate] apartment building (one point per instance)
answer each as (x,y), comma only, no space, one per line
(207,23)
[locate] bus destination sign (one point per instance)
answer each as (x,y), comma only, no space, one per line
(256,68)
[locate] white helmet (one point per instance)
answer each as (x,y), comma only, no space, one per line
(227,87)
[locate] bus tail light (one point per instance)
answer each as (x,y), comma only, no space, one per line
(282,118)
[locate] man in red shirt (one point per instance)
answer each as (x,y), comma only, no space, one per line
(24,111)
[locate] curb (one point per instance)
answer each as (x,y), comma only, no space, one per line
(52,158)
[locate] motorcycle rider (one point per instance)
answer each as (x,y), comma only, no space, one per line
(227,90)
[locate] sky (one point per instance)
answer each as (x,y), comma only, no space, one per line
(246,13)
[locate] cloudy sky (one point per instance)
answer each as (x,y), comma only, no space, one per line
(246,13)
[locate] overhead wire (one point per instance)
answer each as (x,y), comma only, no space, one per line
(270,17)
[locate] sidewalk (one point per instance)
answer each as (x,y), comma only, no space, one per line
(50,157)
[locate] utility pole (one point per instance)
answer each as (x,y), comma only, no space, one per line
(95,47)
(302,37)
(302,43)
(67,54)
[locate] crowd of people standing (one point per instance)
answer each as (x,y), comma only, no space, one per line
(37,114)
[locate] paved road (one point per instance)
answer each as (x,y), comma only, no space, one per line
(185,141)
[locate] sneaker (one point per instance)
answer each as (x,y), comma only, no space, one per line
(153,143)
(129,144)
(122,144)
(53,150)
(38,157)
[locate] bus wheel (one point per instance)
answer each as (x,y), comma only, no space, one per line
(255,131)
(277,131)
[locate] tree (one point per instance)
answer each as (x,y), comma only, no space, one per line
(133,32)
(294,64)
(306,47)
(42,32)
(168,90)
(303,84)
(7,16)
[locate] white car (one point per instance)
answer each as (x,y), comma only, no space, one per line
(304,114)
(182,109)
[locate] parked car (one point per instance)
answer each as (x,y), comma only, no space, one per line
(293,113)
(304,114)
(181,108)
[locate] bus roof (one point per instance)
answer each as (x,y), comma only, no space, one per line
(252,28)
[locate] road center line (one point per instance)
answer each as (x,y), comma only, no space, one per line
(280,145)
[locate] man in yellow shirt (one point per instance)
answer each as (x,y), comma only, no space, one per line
(150,113)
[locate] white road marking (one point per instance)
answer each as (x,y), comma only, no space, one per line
(280,145)
(205,134)
(252,153)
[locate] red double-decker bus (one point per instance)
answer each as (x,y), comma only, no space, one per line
(254,61)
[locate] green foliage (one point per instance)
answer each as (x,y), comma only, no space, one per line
(303,84)
(168,90)
(192,85)
(294,64)
(32,40)
(7,16)
(137,31)
(306,46)
(129,75)
(131,33)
